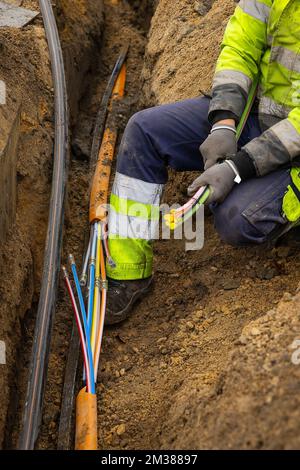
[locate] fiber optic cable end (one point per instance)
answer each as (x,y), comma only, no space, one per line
(65,272)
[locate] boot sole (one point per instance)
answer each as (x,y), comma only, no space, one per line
(123,314)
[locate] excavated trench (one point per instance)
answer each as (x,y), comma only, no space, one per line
(119,22)
(200,356)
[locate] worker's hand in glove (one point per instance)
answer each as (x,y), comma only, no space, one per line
(220,178)
(220,143)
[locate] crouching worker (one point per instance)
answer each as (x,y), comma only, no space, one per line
(255,190)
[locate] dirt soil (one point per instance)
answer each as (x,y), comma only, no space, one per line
(206,360)
(254,404)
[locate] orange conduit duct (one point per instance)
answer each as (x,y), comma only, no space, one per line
(100,186)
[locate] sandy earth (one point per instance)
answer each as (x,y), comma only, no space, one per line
(205,360)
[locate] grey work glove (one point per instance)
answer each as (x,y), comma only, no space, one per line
(220,143)
(220,178)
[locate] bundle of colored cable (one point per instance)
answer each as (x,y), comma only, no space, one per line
(96,282)
(90,318)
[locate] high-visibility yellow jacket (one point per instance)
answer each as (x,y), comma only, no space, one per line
(263,39)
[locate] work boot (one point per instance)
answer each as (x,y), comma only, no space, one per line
(122,296)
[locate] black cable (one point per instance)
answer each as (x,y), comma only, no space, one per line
(48,295)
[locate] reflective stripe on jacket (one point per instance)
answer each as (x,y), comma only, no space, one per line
(263,38)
